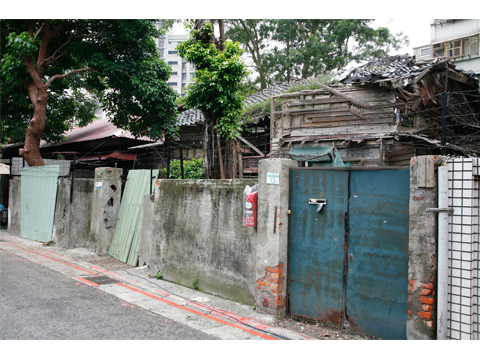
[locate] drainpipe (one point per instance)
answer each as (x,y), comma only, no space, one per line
(442,269)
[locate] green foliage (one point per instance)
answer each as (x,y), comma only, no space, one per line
(192,169)
(125,75)
(217,80)
(194,283)
(159,274)
(309,47)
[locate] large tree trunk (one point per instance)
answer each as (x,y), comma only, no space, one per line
(31,148)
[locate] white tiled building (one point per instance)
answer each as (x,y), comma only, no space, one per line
(458,39)
(182,72)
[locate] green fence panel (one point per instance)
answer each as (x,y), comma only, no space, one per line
(125,243)
(38,198)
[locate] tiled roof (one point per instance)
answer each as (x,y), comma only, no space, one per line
(195,116)
(402,67)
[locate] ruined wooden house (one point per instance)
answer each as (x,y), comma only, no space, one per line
(380,114)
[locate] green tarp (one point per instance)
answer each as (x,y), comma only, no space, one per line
(321,155)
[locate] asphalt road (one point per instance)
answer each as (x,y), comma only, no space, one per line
(39,303)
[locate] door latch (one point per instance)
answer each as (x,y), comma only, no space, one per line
(319,202)
(350,256)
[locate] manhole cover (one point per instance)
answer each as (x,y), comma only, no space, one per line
(101,280)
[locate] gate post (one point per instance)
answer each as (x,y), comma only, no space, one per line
(105,207)
(272,234)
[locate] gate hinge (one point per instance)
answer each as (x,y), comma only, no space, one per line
(449,210)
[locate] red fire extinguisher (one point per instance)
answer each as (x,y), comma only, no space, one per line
(250,197)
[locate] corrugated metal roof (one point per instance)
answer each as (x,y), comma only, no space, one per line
(116,155)
(98,129)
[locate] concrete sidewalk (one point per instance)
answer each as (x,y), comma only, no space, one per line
(210,314)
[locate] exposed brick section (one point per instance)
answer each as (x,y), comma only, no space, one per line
(270,289)
(423,310)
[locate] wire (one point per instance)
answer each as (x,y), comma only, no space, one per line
(208,307)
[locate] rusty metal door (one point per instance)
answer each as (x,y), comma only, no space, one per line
(349,260)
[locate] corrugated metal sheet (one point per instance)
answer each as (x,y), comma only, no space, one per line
(125,243)
(38,197)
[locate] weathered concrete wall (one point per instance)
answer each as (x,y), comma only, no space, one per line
(422,249)
(71,225)
(272,244)
(14,206)
(198,234)
(105,207)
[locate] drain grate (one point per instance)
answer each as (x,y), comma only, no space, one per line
(101,280)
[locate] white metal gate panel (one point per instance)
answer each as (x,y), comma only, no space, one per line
(463,249)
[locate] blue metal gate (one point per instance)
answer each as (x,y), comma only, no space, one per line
(348,249)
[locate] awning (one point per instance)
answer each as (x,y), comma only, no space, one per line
(115,155)
(327,155)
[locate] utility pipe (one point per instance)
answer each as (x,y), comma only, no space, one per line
(442,264)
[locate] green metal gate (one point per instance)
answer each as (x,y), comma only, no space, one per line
(125,243)
(38,198)
(348,248)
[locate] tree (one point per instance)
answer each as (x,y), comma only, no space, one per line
(51,67)
(300,48)
(219,73)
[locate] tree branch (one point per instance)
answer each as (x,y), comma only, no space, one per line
(55,77)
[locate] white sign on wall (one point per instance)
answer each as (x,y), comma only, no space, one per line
(273,178)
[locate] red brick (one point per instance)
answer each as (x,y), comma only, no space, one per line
(427,286)
(411,288)
(259,287)
(279,266)
(426,300)
(409,312)
(275,276)
(425,315)
(429,323)
(425,292)
(276,286)
(409,297)
(273,270)
(263,283)
(427,307)
(275,281)
(268,273)
(412,283)
(276,291)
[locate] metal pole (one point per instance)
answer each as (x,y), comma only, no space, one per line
(181,162)
(444,123)
(442,271)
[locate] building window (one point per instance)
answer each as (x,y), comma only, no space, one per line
(172,52)
(425,52)
(456,48)
(183,85)
(173,63)
(172,83)
(174,73)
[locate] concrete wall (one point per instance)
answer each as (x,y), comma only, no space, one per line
(105,207)
(71,225)
(272,241)
(422,248)
(198,234)
(14,206)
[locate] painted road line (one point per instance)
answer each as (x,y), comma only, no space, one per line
(51,258)
(252,332)
(86,281)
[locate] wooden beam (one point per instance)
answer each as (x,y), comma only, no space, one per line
(356,112)
(461,78)
(251,145)
(338,93)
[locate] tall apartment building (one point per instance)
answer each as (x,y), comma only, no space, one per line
(456,39)
(183,73)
